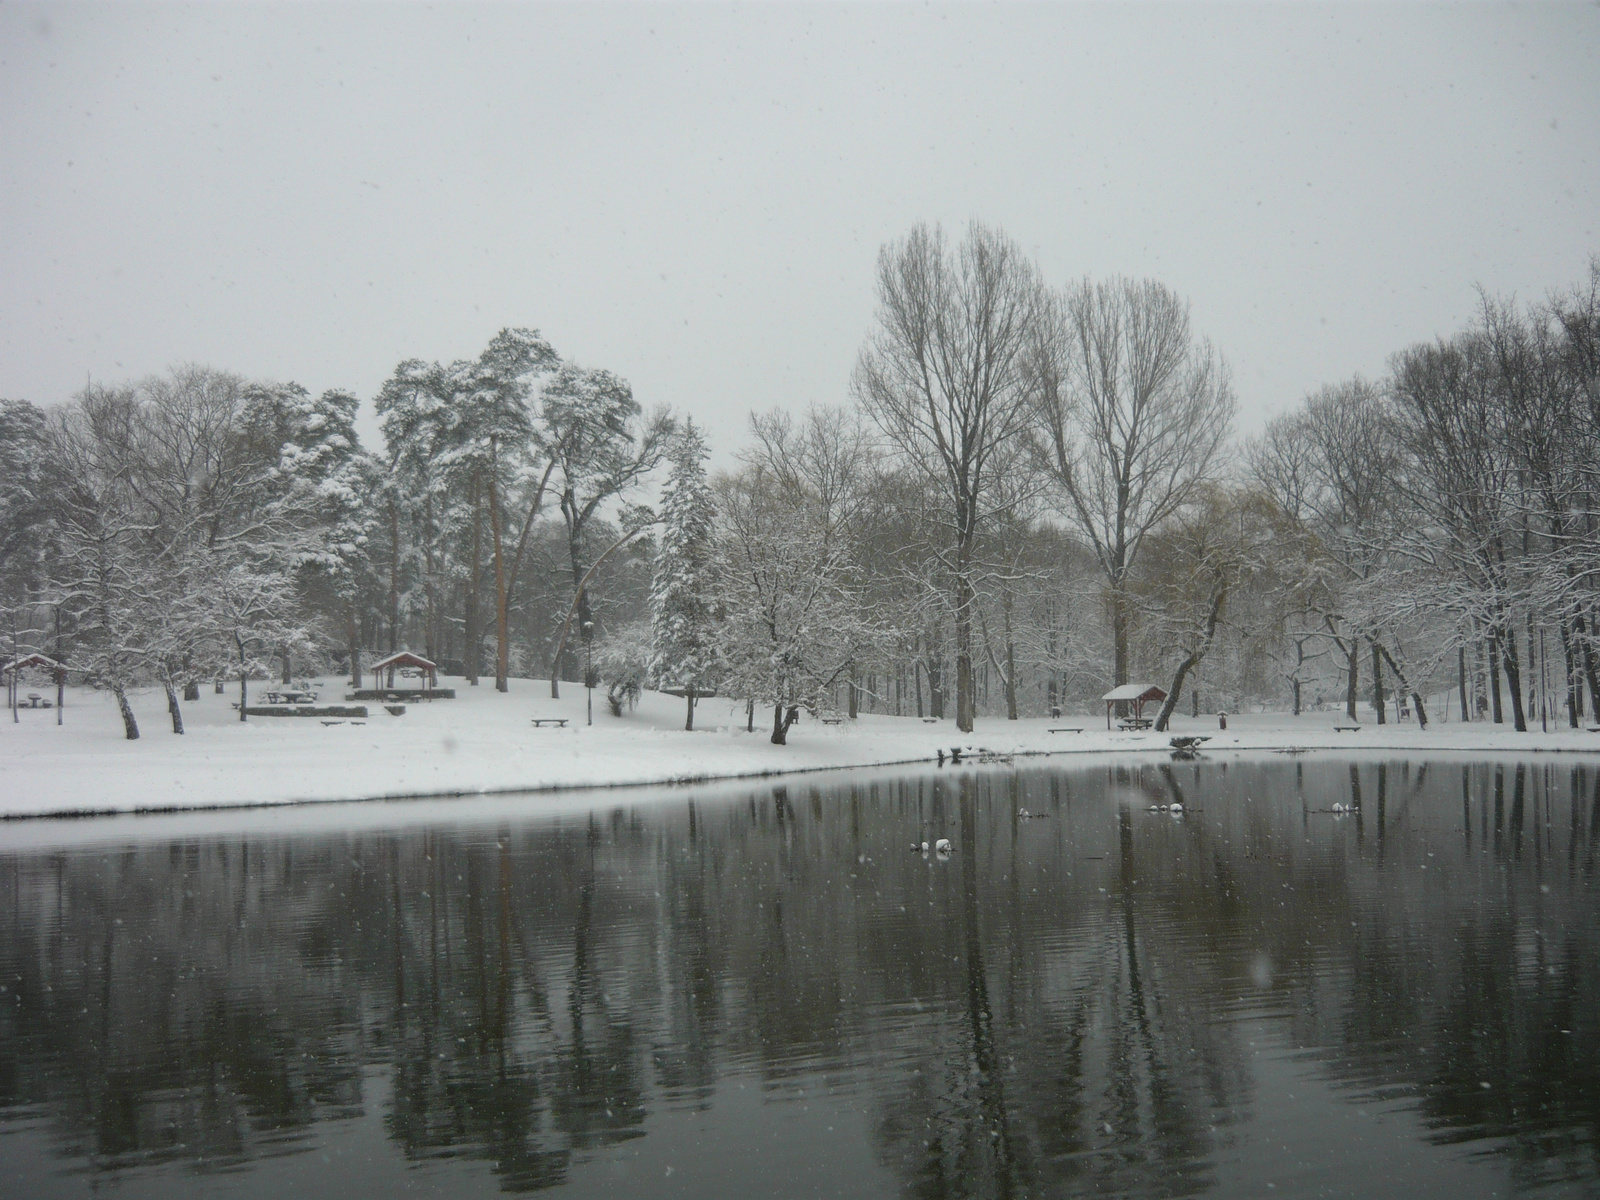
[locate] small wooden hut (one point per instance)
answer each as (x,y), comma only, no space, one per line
(1135,694)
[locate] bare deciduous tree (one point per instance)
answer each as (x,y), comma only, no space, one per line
(1132,415)
(943,378)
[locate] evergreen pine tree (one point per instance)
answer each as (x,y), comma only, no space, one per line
(683,618)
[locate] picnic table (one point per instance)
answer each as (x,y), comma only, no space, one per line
(541,722)
(290,697)
(1135,723)
(35,700)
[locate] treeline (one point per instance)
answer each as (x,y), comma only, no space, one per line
(1031,493)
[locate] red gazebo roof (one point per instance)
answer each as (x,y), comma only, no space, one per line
(1136,693)
(403,658)
(35,661)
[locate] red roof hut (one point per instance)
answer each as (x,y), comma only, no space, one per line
(1136,694)
(404,659)
(34,662)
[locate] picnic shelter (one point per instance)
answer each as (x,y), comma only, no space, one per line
(1135,694)
(405,660)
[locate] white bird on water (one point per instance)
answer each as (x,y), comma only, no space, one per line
(942,845)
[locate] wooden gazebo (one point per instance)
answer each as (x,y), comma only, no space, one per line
(406,659)
(1136,694)
(36,662)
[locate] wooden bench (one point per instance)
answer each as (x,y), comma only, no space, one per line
(930,720)
(1346,728)
(1067,729)
(833,720)
(541,722)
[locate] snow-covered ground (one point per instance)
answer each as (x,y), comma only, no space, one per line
(484,742)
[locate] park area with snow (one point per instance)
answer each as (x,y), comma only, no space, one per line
(484,742)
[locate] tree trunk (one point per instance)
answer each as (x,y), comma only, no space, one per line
(1574,684)
(580,593)
(966,693)
(1513,669)
(172,703)
(130,727)
(352,636)
(394,576)
(750,716)
(1377,682)
(288,664)
(781,721)
(1011,661)
(474,635)
(916,678)
(1461,679)
(502,619)
(1403,686)
(430,629)
(244,697)
(1591,668)
(1296,697)
(1494,680)
(688,724)
(191,690)
(1171,702)
(1119,631)
(1192,660)
(506,577)
(1352,677)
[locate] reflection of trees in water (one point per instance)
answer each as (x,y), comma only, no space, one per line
(1049,1010)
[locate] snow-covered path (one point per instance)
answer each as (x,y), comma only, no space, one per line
(484,742)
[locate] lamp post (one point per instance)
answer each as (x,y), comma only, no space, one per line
(588,670)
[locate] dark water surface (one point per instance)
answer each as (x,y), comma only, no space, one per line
(769,994)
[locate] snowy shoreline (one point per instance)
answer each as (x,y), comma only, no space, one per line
(483,745)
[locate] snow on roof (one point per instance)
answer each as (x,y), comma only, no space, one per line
(403,658)
(1135,691)
(33,662)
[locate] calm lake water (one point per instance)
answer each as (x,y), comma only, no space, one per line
(768,993)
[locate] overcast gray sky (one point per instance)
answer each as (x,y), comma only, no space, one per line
(694,196)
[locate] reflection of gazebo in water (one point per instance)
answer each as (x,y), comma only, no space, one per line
(405,660)
(35,662)
(1136,694)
